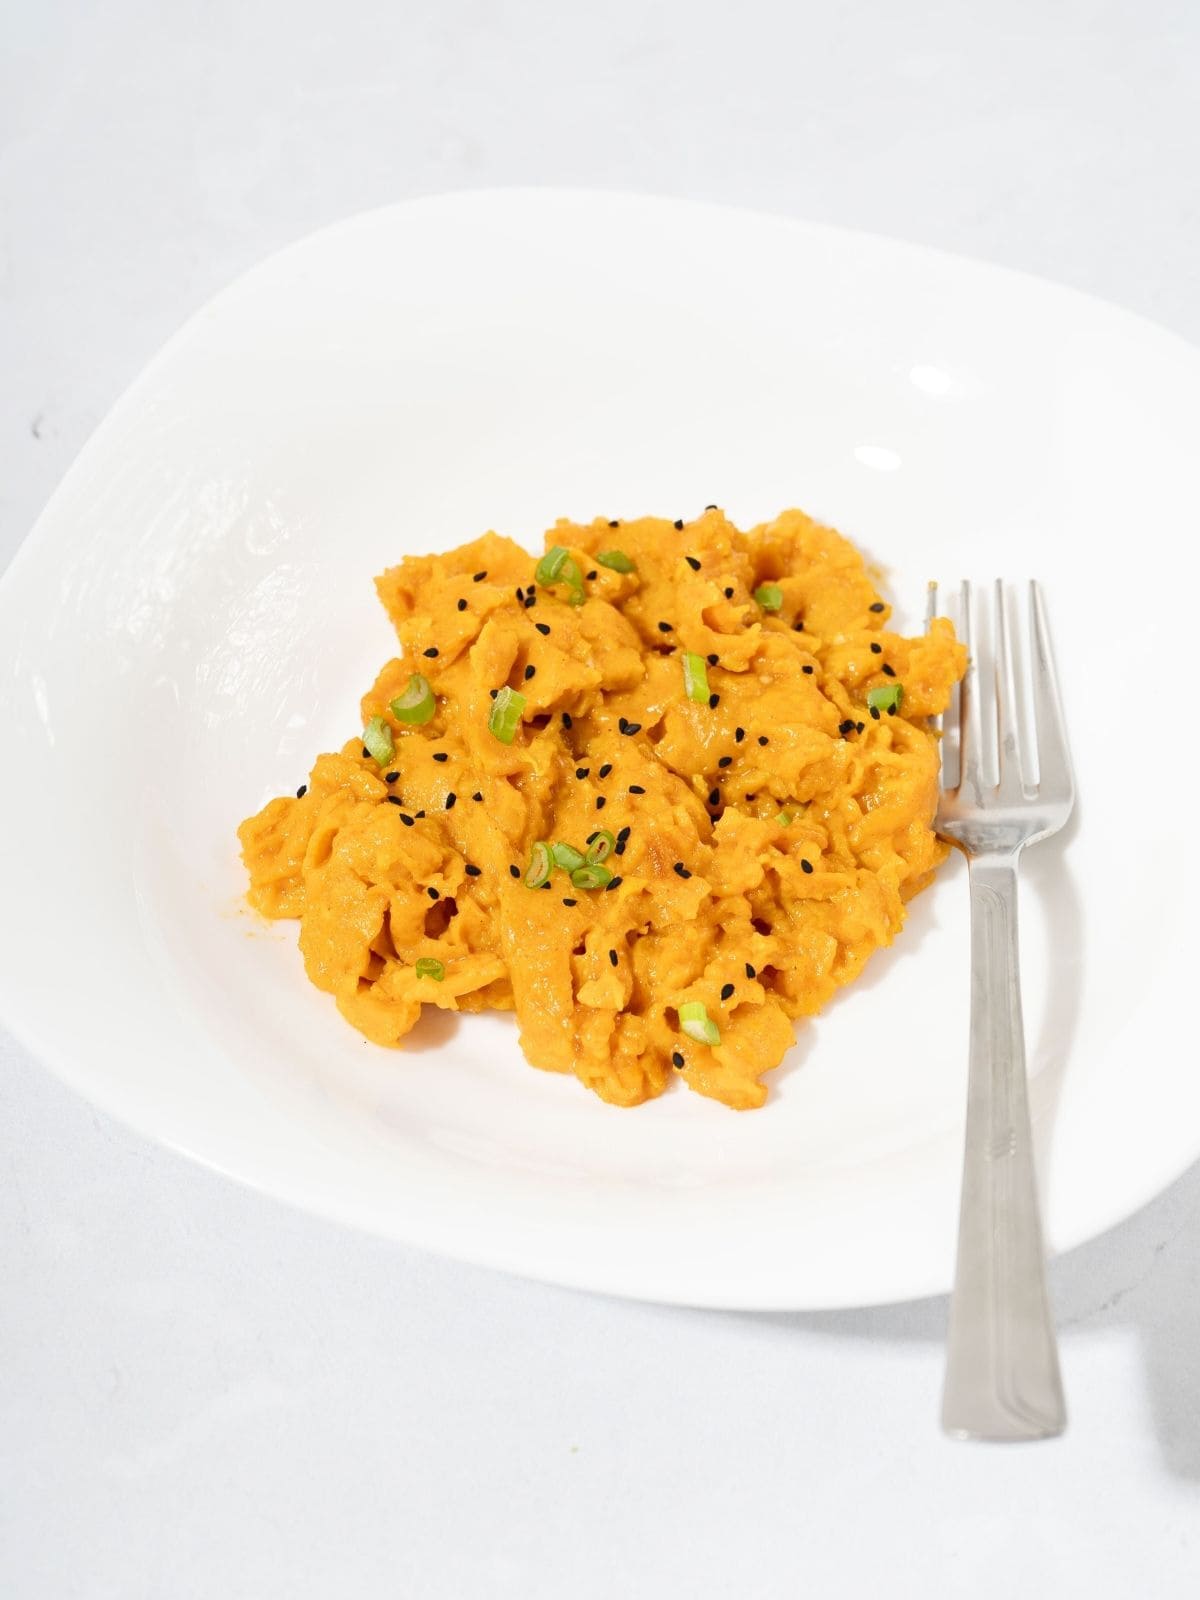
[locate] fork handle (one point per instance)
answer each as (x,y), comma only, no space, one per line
(1002,1376)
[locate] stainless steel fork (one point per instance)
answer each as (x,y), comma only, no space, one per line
(1002,1376)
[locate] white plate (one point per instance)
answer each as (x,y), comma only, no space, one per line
(193,619)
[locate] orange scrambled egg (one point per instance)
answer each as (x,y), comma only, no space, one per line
(663,802)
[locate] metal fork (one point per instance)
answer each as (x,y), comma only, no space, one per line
(1002,1375)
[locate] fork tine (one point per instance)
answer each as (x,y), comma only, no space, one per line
(1055,780)
(971,692)
(1008,749)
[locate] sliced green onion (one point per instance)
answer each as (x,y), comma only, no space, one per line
(567,857)
(591,876)
(416,704)
(429,967)
(560,566)
(694,1020)
(600,846)
(506,714)
(695,678)
(377,737)
(540,866)
(617,560)
(769,596)
(889,697)
(573,577)
(549,568)
(784,818)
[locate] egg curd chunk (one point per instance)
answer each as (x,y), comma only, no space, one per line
(661,799)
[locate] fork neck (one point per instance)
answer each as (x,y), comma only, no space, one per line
(997,859)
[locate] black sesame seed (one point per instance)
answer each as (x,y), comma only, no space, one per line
(529,671)
(676,1059)
(592,575)
(431,652)
(888,670)
(570,902)
(612,958)
(432,893)
(738,735)
(520,594)
(546,885)
(393,799)
(493,693)
(876,649)
(710,508)
(440,755)
(619,848)
(406,819)
(303,789)
(691,560)
(808,671)
(566,719)
(477,797)
(631,728)
(582,772)
(878,606)
(729,594)
(725,761)
(542,627)
(530,600)
(679,524)
(391,777)
(681,870)
(623,835)
(366,753)
(891,711)
(762,739)
(636,788)
(714,797)
(726,991)
(613,883)
(600,802)
(462,605)
(605,769)
(420,814)
(514,872)
(750,972)
(473,871)
(665,627)
(875,713)
(479,577)
(860,726)
(714,660)
(806,866)
(714,700)
(451,801)
(845,727)
(614,523)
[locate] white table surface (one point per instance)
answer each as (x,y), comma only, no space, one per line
(204,1394)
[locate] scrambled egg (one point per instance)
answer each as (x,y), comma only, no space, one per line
(719,725)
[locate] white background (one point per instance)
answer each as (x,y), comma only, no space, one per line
(203,1394)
